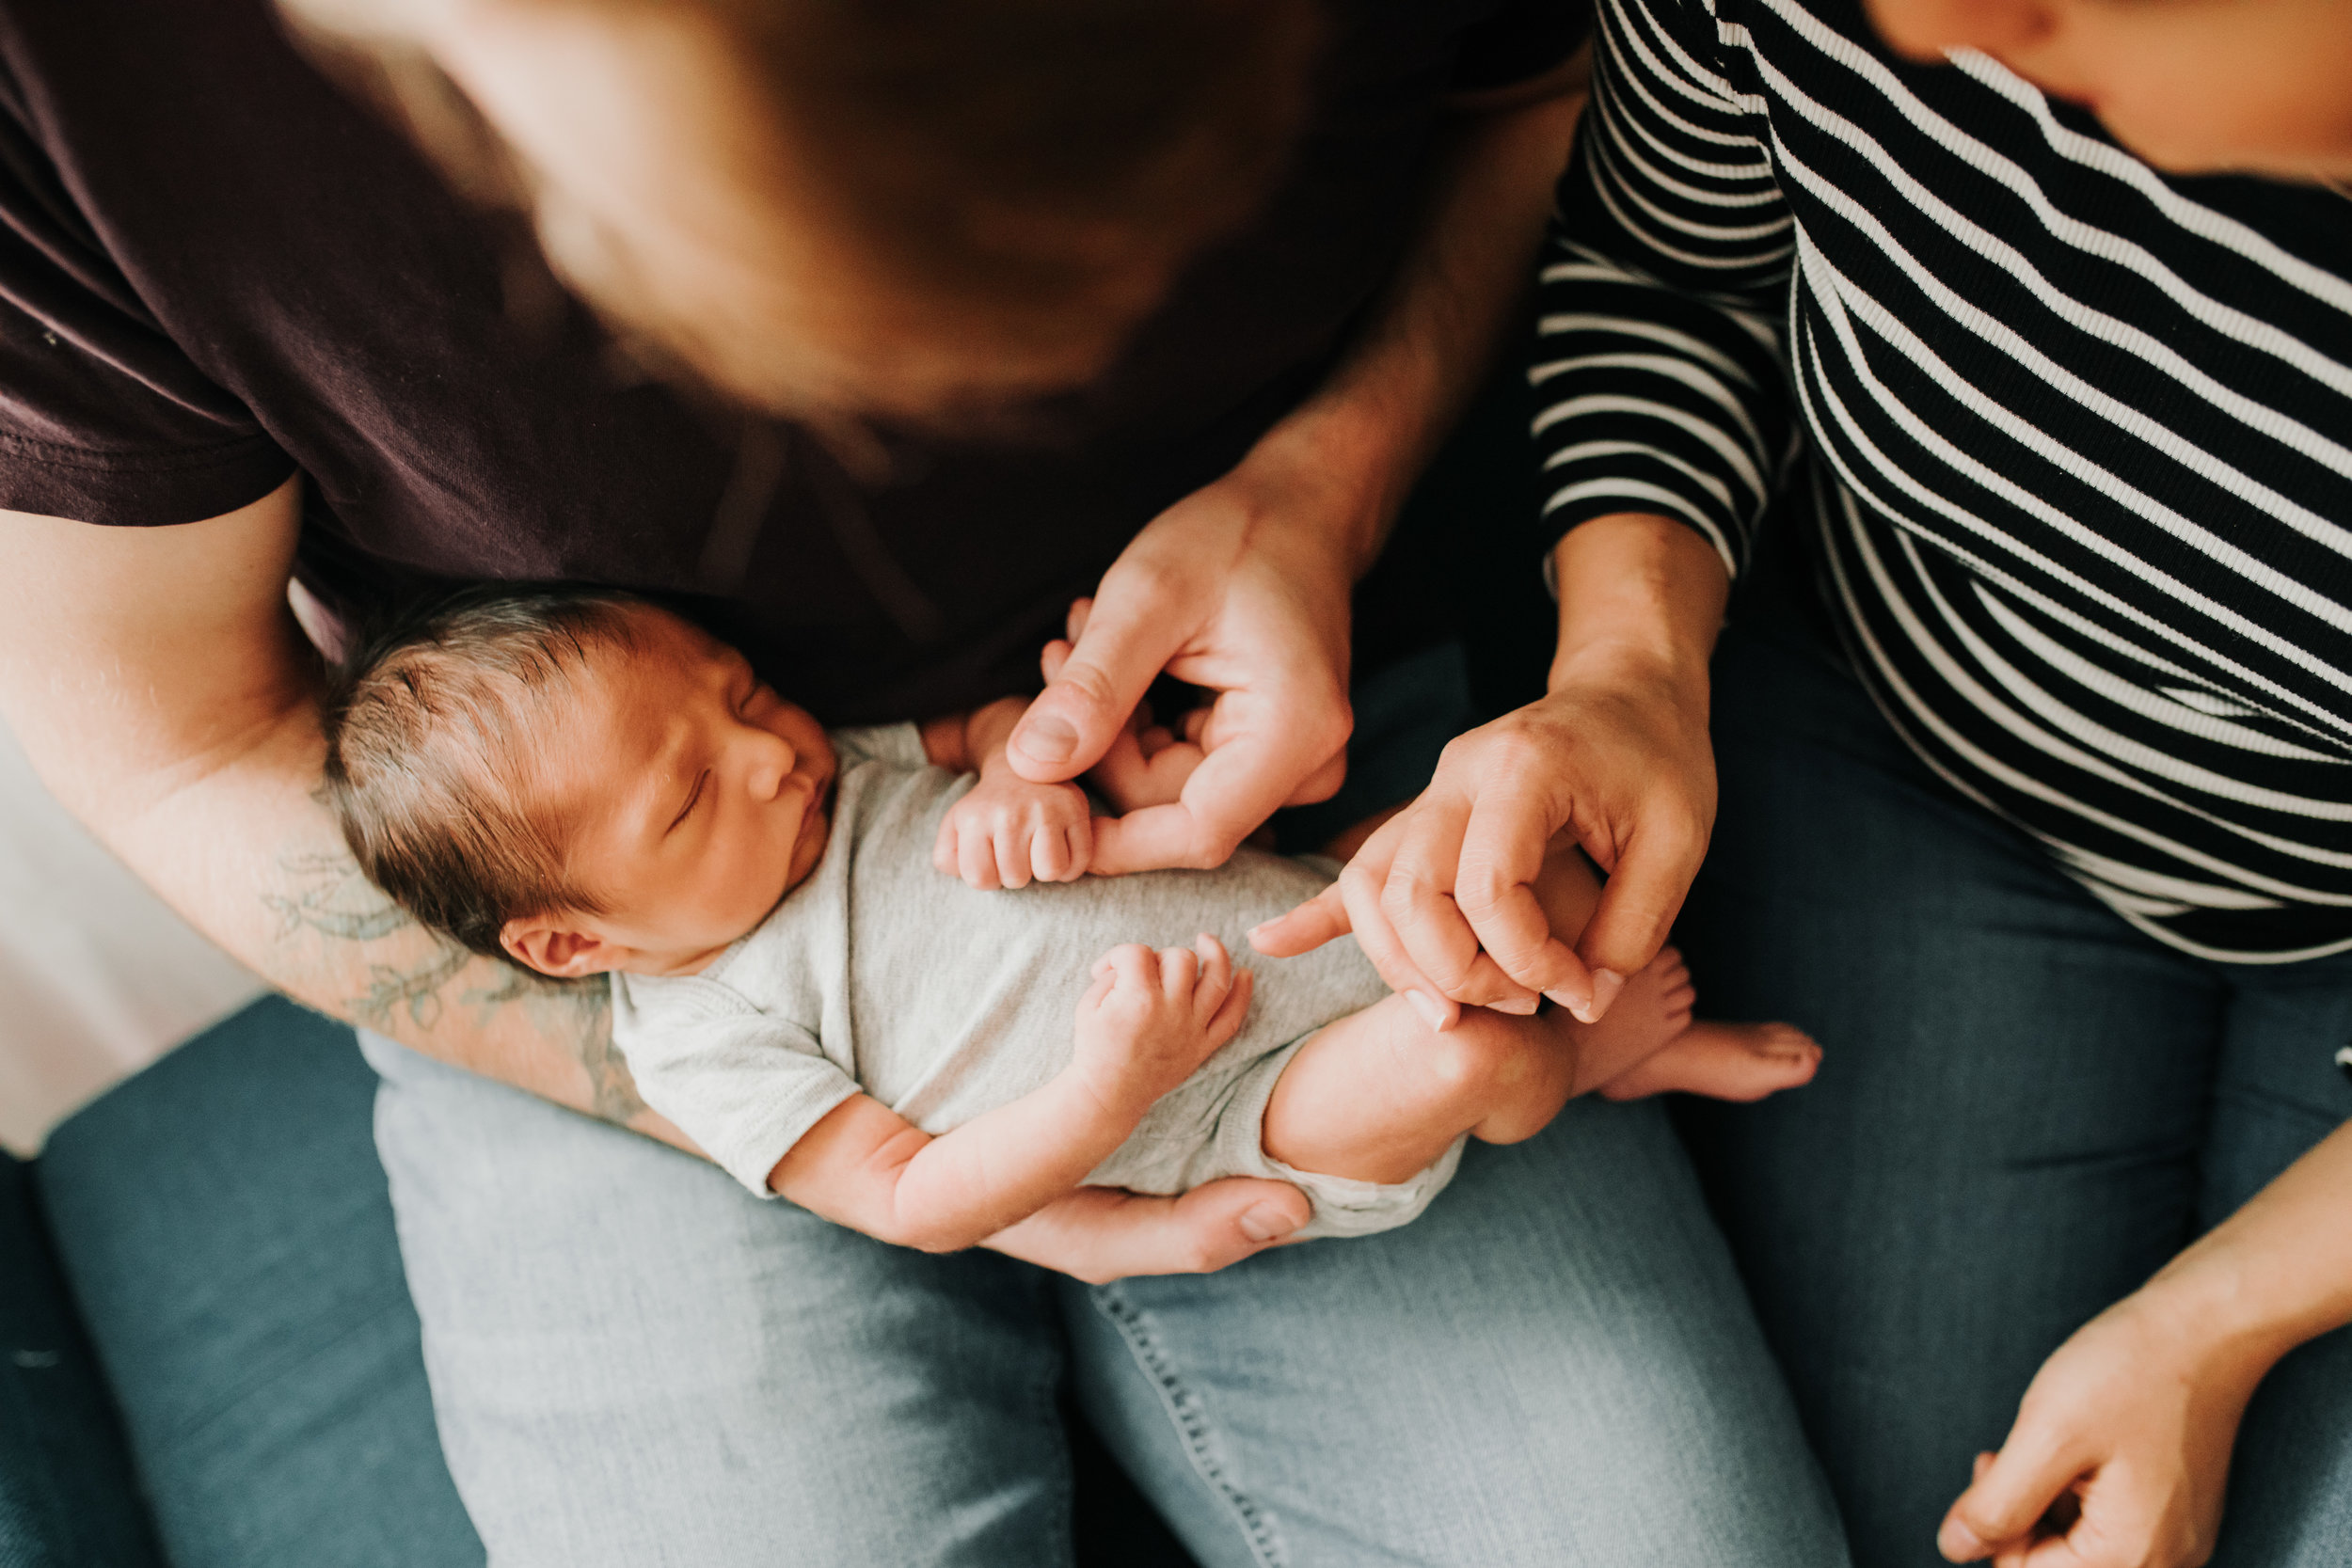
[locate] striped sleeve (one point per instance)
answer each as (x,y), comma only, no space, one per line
(1656,364)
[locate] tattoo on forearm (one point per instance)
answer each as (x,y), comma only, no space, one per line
(327,894)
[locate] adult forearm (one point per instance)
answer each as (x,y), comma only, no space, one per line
(248,855)
(2277,1272)
(1431,339)
(1643,596)
(158,682)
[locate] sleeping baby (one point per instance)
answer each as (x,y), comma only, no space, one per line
(865,971)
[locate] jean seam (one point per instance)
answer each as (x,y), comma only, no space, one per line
(1191,1420)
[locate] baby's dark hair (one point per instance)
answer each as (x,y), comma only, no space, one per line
(431,726)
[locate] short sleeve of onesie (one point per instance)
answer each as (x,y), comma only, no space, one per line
(745,1084)
(102,416)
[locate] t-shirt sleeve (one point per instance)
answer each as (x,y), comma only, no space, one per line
(1520,41)
(743,1084)
(104,418)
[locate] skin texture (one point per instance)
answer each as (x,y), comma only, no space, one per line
(165,696)
(2126,1432)
(2194,87)
(1616,752)
(1615,755)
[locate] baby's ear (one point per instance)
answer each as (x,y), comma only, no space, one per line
(545,943)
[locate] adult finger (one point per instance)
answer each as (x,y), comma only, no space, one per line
(1320,919)
(1135,627)
(1358,893)
(2002,1505)
(1639,902)
(1417,900)
(1503,854)
(1099,1234)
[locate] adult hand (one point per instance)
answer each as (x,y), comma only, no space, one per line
(1241,588)
(1099,1234)
(2120,1452)
(1616,754)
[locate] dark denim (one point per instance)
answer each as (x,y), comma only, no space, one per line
(2025,1105)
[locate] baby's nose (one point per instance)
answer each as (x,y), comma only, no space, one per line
(770,765)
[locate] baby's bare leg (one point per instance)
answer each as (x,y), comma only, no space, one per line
(1378,1095)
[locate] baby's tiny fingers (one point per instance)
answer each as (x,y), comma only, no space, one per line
(1226,1020)
(1179,967)
(1215,981)
(976,859)
(1134,964)
(1049,853)
(1013,853)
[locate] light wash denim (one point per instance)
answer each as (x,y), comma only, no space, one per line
(635,1362)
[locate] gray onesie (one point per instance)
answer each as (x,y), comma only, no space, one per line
(882,973)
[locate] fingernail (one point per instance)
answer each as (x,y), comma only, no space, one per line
(1578,1005)
(1518,1006)
(1606,984)
(1432,1011)
(1959,1543)
(1267,1223)
(1049,739)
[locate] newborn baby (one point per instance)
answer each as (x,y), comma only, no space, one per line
(590,785)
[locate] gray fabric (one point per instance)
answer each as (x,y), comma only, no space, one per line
(882,973)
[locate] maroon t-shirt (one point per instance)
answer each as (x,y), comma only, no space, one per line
(216,269)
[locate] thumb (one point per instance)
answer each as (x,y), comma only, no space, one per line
(2008,1499)
(1127,641)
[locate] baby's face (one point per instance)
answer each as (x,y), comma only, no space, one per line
(690,796)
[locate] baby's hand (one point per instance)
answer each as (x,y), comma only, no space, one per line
(1147,765)
(1007,831)
(1153,1017)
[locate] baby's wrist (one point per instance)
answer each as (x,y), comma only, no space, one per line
(1119,1095)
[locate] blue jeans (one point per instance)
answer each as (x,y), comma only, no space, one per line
(635,1362)
(2024,1107)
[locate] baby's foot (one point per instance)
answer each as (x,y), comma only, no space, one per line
(1724,1061)
(1647,1043)
(1652,1010)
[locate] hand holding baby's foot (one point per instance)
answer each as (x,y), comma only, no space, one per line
(1648,1043)
(1007,831)
(1152,1018)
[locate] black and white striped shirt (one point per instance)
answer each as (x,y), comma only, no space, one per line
(2077,437)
